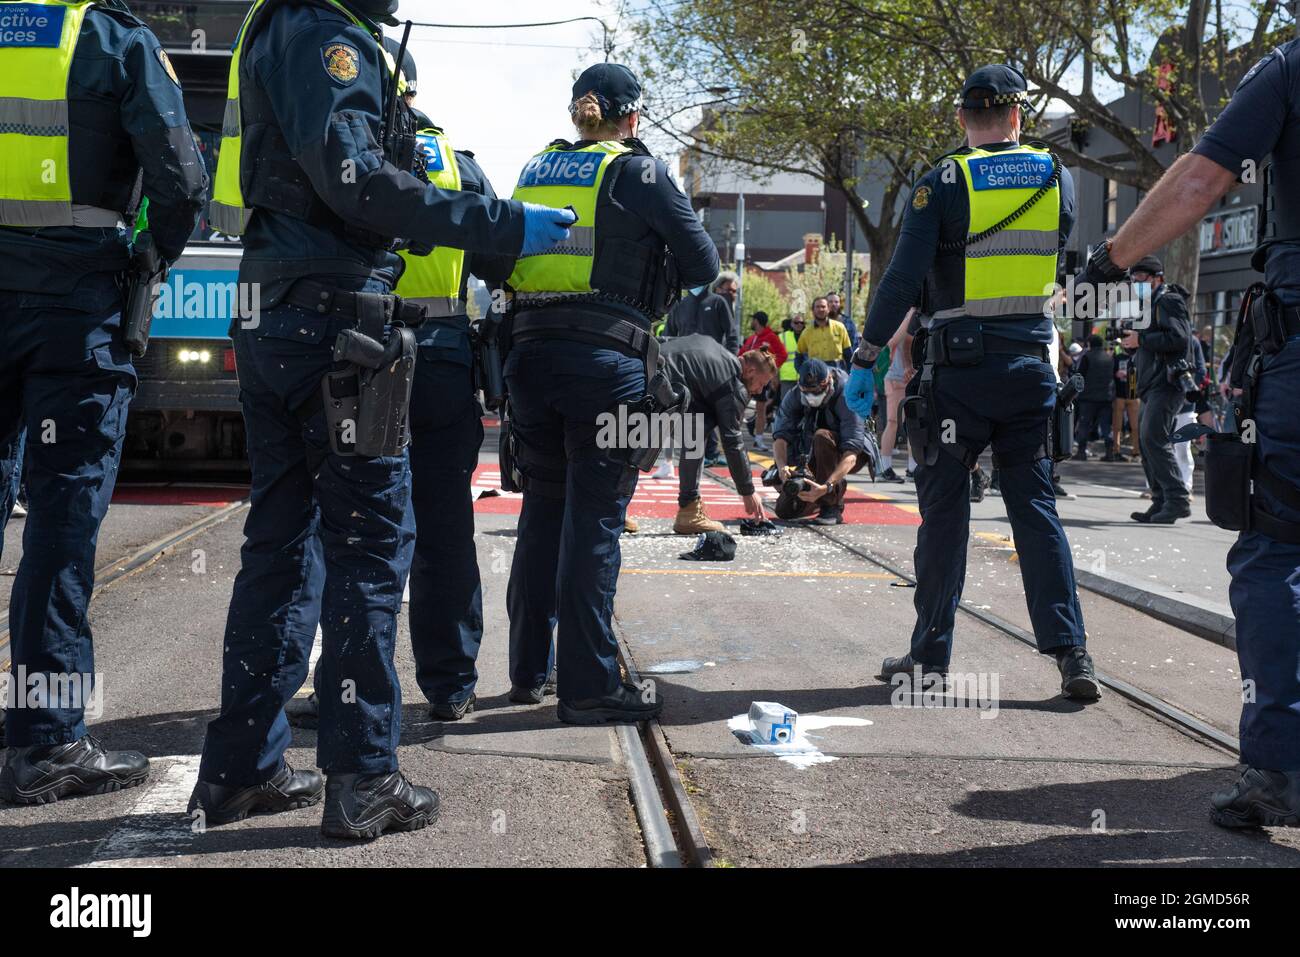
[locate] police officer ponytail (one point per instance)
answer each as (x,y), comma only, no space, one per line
(589,118)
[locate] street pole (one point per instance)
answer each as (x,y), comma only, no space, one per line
(740,261)
(848,258)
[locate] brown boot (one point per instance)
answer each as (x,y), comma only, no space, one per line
(691,520)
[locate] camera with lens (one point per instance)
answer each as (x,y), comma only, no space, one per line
(1181,374)
(796,483)
(1118,329)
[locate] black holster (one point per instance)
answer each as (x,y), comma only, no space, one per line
(1061,424)
(660,400)
(489,362)
(512,480)
(367,401)
(145,272)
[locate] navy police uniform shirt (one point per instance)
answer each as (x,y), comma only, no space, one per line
(646,201)
(1263,118)
(118,60)
(324,81)
(945,218)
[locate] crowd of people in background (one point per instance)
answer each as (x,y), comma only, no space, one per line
(1125,392)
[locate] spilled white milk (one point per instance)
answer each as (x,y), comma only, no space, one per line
(799,750)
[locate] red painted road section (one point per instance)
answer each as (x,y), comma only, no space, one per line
(657,498)
(217,496)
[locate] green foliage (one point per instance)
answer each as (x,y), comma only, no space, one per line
(762,295)
(806,282)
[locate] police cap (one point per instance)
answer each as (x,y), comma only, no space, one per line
(616,87)
(994,85)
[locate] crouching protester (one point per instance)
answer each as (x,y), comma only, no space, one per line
(720,386)
(818,442)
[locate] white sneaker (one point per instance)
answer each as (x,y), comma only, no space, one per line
(762,444)
(664,471)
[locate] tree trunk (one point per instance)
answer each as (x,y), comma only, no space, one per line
(1183,262)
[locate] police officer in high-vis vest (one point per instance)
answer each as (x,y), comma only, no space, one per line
(89,107)
(315,172)
(446,606)
(982,238)
(1262,498)
(579,346)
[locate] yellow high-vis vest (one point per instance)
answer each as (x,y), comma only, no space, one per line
(561,177)
(1012,272)
(788,372)
(227,211)
(434,280)
(38,39)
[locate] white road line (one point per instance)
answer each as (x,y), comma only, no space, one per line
(1111,488)
(316,648)
(158,825)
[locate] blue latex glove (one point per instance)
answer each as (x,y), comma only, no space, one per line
(544,226)
(860,393)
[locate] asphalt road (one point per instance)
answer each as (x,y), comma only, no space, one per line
(1015,776)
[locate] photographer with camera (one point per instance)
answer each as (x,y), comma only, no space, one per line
(1164,365)
(816,424)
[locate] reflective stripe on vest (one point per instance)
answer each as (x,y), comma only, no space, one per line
(227,211)
(434,280)
(36,54)
(1012,272)
(788,372)
(559,177)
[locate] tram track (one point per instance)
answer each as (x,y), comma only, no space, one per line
(1142,700)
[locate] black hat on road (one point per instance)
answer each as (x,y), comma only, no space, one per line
(712,547)
(994,85)
(615,86)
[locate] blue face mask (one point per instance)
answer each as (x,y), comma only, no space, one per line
(1142,291)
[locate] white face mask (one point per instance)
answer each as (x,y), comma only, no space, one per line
(813,400)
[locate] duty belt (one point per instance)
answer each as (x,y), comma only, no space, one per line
(993,345)
(602,330)
(330,301)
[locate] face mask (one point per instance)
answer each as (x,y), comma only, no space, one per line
(1142,291)
(813,400)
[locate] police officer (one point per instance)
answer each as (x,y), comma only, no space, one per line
(320,186)
(579,347)
(88,103)
(446,605)
(1262,119)
(986,372)
(446,595)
